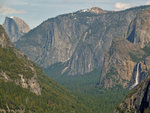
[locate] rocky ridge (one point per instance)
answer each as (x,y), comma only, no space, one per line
(24,86)
(95,10)
(138,100)
(32,83)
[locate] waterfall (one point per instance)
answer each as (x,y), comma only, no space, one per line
(136,77)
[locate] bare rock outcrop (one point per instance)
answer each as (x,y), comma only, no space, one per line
(138,100)
(15,28)
(139,29)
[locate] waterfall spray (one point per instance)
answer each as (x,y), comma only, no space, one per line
(136,78)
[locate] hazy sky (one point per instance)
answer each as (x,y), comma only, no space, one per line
(35,12)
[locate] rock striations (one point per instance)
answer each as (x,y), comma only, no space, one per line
(139,31)
(92,39)
(15,28)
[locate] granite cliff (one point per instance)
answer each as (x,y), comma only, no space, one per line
(87,40)
(15,28)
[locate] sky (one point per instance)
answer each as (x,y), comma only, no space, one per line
(34,12)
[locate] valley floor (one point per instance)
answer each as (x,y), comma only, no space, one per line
(98,100)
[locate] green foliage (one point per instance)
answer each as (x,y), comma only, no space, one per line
(84,86)
(54,92)
(1,29)
(99,101)
(147,110)
(18,98)
(54,98)
(12,65)
(146,49)
(135,57)
(131,93)
(53,70)
(111,72)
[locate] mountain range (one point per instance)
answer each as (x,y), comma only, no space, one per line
(91,50)
(93,39)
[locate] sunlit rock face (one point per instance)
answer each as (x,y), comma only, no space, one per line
(91,39)
(95,10)
(139,29)
(15,28)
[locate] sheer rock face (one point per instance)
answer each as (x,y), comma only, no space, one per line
(80,38)
(55,40)
(137,101)
(139,29)
(83,41)
(118,66)
(15,28)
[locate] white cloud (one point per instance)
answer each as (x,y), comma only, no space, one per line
(4,10)
(121,6)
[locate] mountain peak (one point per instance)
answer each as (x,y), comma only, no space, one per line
(95,10)
(15,28)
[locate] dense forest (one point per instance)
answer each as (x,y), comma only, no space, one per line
(84,86)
